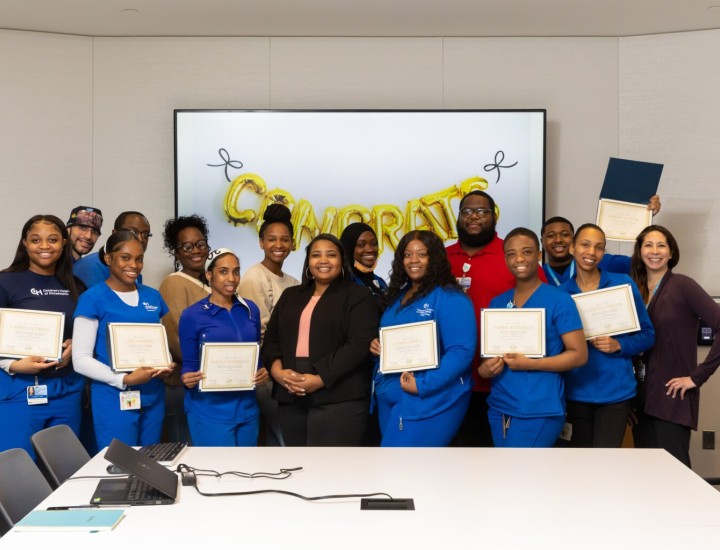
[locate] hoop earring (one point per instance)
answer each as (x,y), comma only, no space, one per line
(177,265)
(342,272)
(308,274)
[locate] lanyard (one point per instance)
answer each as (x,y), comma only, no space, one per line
(555,276)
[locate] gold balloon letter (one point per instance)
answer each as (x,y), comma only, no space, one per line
(387,220)
(232,198)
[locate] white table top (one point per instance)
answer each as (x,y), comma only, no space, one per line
(464,498)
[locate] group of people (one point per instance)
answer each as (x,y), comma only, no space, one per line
(318,380)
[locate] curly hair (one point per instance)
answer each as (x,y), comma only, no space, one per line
(438,273)
(174,226)
(63,268)
(638,270)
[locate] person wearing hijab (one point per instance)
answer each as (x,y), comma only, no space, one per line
(361,246)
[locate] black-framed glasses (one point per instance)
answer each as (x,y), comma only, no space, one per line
(481,212)
(139,234)
(188,247)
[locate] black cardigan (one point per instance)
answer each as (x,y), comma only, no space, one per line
(343,323)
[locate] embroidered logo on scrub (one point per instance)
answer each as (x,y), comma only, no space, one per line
(425,311)
(150,307)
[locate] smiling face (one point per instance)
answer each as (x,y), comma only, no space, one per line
(655,252)
(44,244)
(475,228)
(324,261)
(366,249)
(588,249)
(82,239)
(277,244)
(556,240)
(224,277)
(126,263)
(415,261)
(522,257)
(193,262)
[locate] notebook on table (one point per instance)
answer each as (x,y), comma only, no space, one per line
(149,482)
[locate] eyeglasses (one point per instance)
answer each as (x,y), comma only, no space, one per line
(481,212)
(139,234)
(188,247)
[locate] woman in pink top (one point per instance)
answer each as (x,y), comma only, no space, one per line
(316,347)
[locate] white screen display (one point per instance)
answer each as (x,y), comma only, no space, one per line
(395,170)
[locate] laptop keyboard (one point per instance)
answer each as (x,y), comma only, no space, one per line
(163,452)
(139,490)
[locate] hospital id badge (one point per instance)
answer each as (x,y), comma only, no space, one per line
(37,395)
(464,283)
(129,400)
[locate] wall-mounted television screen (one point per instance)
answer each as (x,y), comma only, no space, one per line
(395,170)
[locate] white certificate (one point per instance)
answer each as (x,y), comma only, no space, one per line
(229,366)
(408,347)
(622,221)
(512,331)
(26,332)
(608,311)
(135,345)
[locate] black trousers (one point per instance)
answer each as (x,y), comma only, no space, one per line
(333,425)
(598,425)
(653,433)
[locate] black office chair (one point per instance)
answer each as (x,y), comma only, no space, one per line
(60,453)
(22,487)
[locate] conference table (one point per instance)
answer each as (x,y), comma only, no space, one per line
(464,498)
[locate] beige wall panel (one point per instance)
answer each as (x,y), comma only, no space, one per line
(138,83)
(670,113)
(356,73)
(46,129)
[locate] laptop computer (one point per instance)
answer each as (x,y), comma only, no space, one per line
(149,482)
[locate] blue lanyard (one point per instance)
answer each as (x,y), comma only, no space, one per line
(554,275)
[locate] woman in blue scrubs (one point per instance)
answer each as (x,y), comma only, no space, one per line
(35,393)
(129,406)
(425,408)
(222,418)
(599,395)
(526,403)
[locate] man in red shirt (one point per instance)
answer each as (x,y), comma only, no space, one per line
(478,261)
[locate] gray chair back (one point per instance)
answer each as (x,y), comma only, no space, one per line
(22,487)
(59,452)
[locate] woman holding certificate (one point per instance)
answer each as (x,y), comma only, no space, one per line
(424,408)
(228,416)
(670,395)
(526,403)
(317,346)
(129,406)
(35,392)
(599,394)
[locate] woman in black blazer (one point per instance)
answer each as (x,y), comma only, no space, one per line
(316,348)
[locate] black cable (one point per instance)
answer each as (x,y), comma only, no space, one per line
(291,494)
(284,473)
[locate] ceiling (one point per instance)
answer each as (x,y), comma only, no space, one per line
(376,18)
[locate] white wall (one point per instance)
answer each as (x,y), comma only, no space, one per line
(670,113)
